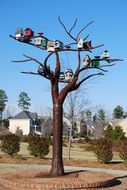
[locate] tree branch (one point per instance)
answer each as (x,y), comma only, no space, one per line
(57,69)
(47,70)
(86,37)
(33,59)
(78,67)
(21,61)
(39,47)
(86,78)
(29,59)
(83,29)
(32,73)
(73,26)
(68,32)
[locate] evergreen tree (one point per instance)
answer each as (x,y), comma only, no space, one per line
(3,100)
(118,134)
(101,116)
(108,133)
(118,112)
(24,101)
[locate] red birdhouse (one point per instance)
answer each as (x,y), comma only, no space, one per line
(87,45)
(29,33)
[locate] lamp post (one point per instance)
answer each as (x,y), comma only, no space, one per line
(69,139)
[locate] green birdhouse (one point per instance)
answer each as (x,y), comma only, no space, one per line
(95,63)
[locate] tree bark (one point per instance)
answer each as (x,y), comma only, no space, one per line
(57,168)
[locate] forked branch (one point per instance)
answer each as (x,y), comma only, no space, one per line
(86,78)
(68,32)
(83,29)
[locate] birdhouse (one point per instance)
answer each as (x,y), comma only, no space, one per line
(41,70)
(38,40)
(95,63)
(44,43)
(62,76)
(68,74)
(29,33)
(19,33)
(105,55)
(58,44)
(87,45)
(86,60)
(80,43)
(51,46)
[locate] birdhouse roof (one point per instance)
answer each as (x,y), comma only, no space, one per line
(28,29)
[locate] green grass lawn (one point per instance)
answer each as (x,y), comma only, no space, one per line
(77,152)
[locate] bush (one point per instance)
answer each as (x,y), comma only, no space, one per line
(10,144)
(108,133)
(123,150)
(115,134)
(103,150)
(118,134)
(38,146)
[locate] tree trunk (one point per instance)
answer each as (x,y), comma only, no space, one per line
(1,113)
(57,168)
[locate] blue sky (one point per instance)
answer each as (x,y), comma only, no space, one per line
(109,28)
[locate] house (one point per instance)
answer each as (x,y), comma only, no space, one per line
(29,122)
(25,121)
(119,122)
(89,127)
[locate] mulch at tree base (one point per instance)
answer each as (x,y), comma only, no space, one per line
(38,180)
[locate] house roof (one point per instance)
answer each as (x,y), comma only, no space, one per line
(25,115)
(115,121)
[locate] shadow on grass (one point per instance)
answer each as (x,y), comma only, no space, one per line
(115,162)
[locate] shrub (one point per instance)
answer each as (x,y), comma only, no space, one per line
(108,133)
(123,150)
(103,150)
(38,146)
(10,144)
(118,134)
(115,134)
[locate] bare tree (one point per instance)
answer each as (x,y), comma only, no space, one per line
(74,106)
(78,46)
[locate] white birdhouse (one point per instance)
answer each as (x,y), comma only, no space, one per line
(58,44)
(105,55)
(41,70)
(19,33)
(38,40)
(51,46)
(86,60)
(62,76)
(80,43)
(68,74)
